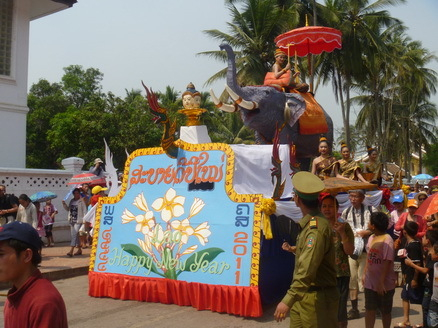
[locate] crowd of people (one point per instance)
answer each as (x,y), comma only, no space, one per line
(375,249)
(41,215)
(22,209)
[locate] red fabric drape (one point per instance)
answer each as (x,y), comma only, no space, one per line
(243,301)
(313,120)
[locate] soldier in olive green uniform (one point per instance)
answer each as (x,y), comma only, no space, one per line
(313,296)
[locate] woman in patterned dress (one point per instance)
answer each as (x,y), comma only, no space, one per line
(347,168)
(322,165)
(373,167)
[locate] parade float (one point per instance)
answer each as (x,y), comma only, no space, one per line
(201,224)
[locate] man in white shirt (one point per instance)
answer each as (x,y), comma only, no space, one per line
(358,216)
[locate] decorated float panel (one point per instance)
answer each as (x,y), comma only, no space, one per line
(177,232)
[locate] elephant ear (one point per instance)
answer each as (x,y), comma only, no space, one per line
(294,108)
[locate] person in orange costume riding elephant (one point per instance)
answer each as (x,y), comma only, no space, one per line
(281,75)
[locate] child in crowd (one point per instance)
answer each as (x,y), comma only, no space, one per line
(412,292)
(428,241)
(40,227)
(379,276)
(49,213)
(432,316)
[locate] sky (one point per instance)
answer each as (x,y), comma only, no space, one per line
(157,42)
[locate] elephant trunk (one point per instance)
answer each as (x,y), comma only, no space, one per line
(250,105)
(231,71)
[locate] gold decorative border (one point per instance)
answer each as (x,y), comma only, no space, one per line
(232,194)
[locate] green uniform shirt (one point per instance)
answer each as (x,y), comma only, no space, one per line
(315,258)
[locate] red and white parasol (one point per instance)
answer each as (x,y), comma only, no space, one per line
(309,40)
(89,178)
(429,206)
(433,182)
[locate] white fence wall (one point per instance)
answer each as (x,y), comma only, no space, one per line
(29,181)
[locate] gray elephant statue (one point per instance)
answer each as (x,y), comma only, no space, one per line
(264,108)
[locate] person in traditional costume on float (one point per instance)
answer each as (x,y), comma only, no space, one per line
(373,167)
(347,168)
(282,75)
(322,166)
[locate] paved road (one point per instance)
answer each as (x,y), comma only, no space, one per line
(84,311)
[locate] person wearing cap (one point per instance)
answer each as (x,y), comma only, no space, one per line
(358,217)
(312,299)
(421,197)
(399,208)
(98,168)
(410,216)
(32,301)
(97,192)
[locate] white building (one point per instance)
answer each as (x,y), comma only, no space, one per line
(15,17)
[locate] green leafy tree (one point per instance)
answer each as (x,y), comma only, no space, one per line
(133,126)
(81,85)
(431,159)
(74,117)
(45,101)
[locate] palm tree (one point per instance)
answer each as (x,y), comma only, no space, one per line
(417,83)
(356,142)
(425,130)
(360,23)
(394,97)
(170,98)
(377,93)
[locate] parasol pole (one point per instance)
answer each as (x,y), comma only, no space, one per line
(312,58)
(297,79)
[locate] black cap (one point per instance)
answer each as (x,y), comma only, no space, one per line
(21,231)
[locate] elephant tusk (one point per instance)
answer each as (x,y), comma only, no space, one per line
(249,105)
(219,104)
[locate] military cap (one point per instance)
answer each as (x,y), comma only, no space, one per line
(307,185)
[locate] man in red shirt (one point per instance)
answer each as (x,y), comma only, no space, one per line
(32,301)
